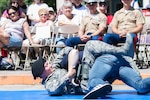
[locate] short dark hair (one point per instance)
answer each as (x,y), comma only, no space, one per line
(14,8)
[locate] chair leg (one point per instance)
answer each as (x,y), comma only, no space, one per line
(27,61)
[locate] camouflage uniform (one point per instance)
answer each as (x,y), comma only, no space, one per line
(53,82)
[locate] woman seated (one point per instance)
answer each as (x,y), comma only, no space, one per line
(44,21)
(12,31)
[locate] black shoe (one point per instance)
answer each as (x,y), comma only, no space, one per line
(100,90)
(144,93)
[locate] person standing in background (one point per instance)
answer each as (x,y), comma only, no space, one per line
(22,6)
(33,9)
(102,7)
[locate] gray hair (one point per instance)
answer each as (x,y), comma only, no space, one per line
(67,4)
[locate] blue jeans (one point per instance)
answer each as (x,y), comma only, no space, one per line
(14,42)
(108,67)
(71,42)
(114,39)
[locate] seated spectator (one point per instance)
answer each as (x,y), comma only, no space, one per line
(15,4)
(5,16)
(33,9)
(124,23)
(52,14)
(102,7)
(67,18)
(60,10)
(92,26)
(23,6)
(79,8)
(13,29)
(44,21)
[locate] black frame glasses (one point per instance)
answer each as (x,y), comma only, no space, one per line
(43,14)
(12,13)
(102,4)
(14,2)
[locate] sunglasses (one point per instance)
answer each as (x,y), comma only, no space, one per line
(92,3)
(43,14)
(102,4)
(14,2)
(11,13)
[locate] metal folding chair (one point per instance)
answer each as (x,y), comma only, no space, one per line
(66,31)
(43,32)
(142,51)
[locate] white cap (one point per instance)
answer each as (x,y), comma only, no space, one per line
(101,0)
(50,9)
(148,6)
(91,1)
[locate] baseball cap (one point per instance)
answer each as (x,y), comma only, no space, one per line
(90,2)
(38,67)
(50,9)
(102,1)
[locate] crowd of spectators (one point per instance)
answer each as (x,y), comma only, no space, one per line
(77,12)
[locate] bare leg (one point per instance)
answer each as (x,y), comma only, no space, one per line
(1,45)
(4,37)
(73,59)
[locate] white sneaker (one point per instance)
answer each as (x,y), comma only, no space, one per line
(99,91)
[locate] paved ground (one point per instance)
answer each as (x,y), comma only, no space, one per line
(41,87)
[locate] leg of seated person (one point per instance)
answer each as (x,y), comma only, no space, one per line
(71,42)
(60,45)
(26,43)
(1,45)
(111,38)
(4,37)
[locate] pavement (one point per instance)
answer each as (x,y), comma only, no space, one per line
(23,80)
(41,87)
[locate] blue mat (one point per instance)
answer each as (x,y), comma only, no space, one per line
(43,95)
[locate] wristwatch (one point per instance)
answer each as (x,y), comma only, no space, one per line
(91,36)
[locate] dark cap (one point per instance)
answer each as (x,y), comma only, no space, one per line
(38,67)
(102,3)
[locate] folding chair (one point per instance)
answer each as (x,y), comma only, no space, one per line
(142,48)
(44,32)
(14,53)
(66,31)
